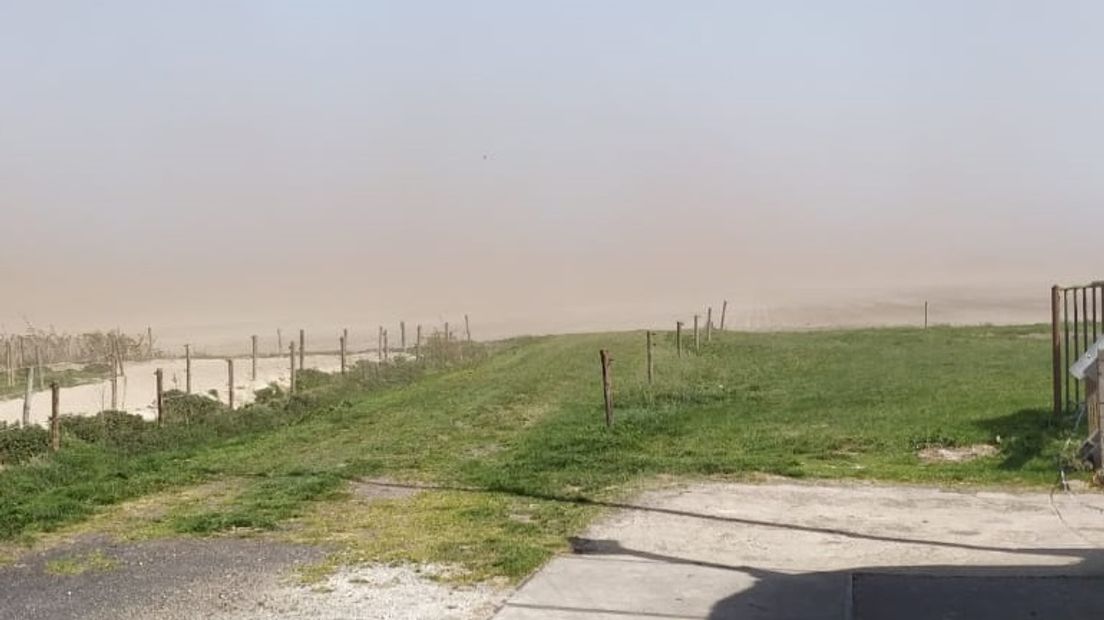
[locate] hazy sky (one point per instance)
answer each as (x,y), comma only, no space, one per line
(538,163)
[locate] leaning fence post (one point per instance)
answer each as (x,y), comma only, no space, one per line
(160,394)
(1056,350)
(648,347)
(724,310)
(55,421)
(230,383)
(607,387)
(678,337)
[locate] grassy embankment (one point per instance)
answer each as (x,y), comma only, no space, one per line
(516,451)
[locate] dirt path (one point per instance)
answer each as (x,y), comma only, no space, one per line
(776,551)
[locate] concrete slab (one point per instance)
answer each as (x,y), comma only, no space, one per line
(773,551)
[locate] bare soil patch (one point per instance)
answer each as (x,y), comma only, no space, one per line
(956,454)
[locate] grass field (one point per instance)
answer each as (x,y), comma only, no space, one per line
(518,457)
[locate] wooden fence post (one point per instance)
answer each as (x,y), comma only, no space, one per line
(230,383)
(302,349)
(279,342)
(709,324)
(38,365)
(467,328)
(648,346)
(724,310)
(925,315)
(343,354)
(386,348)
(607,386)
(379,345)
(253,375)
(114,391)
(402,336)
(697,343)
(149,344)
(291,382)
(418,343)
(160,394)
(446,332)
(678,337)
(27,397)
(11,364)
(187,369)
(1056,350)
(55,420)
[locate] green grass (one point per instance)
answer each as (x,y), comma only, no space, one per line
(94,561)
(517,441)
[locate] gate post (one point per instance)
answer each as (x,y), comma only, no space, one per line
(1056,350)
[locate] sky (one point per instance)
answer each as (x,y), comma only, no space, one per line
(543,166)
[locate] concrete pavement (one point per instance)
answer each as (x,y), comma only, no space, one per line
(841,551)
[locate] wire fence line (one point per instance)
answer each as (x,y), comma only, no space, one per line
(105,359)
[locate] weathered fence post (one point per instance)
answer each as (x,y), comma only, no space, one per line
(724,310)
(709,324)
(342,354)
(27,397)
(279,342)
(1056,349)
(386,347)
(55,420)
(114,390)
(697,343)
(467,328)
(149,344)
(678,337)
(402,336)
(925,315)
(230,383)
(38,365)
(253,375)
(607,386)
(447,336)
(160,394)
(11,364)
(291,382)
(379,345)
(648,346)
(187,369)
(302,349)
(418,343)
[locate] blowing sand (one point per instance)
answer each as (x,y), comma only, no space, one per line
(137,392)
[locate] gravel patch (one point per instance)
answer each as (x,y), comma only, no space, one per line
(380,592)
(99,578)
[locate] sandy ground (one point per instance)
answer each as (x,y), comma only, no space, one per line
(224,579)
(138,389)
(776,551)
